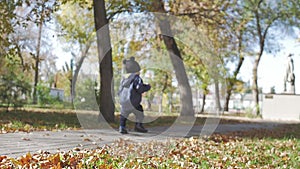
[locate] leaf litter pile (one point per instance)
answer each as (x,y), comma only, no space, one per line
(217,151)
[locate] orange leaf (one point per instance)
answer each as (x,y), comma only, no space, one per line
(55,159)
(2,158)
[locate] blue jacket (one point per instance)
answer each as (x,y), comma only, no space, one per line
(137,89)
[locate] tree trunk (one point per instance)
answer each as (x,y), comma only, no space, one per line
(107,107)
(203,104)
(148,107)
(70,77)
(217,95)
(176,59)
(160,106)
(262,34)
(37,57)
(227,98)
(230,84)
(255,91)
(77,69)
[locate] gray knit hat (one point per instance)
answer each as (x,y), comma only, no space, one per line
(131,66)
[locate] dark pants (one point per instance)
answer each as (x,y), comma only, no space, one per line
(138,112)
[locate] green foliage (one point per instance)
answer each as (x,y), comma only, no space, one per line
(7,15)
(14,87)
(43,94)
(75,30)
(44,97)
(82,3)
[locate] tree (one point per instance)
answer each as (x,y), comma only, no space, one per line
(7,15)
(40,14)
(107,107)
(210,17)
(237,21)
(244,19)
(14,86)
(176,59)
(265,15)
(78,33)
(68,70)
(14,70)
(101,18)
(8,20)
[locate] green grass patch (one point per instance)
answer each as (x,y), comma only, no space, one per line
(28,120)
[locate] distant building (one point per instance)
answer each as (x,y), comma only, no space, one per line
(57,93)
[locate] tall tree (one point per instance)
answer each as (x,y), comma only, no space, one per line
(211,18)
(107,107)
(13,80)
(266,14)
(236,21)
(78,32)
(246,20)
(37,55)
(176,59)
(8,20)
(39,14)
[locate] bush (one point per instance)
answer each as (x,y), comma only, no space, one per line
(14,89)
(44,97)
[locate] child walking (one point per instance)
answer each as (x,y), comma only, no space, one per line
(134,86)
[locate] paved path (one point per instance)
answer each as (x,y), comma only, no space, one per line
(17,144)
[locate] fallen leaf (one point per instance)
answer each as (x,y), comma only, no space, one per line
(25,139)
(87,139)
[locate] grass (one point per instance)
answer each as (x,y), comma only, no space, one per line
(41,119)
(28,120)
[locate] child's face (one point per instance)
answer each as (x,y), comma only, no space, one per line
(138,73)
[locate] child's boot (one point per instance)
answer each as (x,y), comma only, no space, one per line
(140,128)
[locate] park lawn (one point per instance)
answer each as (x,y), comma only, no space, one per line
(47,119)
(22,120)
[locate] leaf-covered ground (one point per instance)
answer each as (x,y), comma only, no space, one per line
(259,148)
(218,151)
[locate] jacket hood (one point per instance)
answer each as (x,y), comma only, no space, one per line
(126,82)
